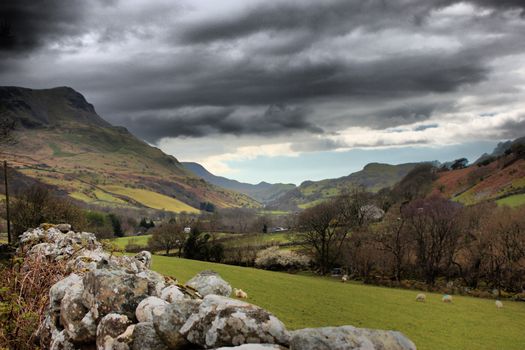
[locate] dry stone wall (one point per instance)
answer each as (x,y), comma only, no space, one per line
(111,302)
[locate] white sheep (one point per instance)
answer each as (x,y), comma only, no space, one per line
(421,297)
(499,304)
(446,298)
(239,293)
(344,278)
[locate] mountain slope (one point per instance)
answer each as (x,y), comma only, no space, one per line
(373,177)
(56,136)
(500,176)
(263,192)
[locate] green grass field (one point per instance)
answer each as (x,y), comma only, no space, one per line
(239,241)
(512,201)
(303,301)
(121,242)
(153,199)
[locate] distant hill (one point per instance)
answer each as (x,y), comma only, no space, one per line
(373,177)
(500,149)
(263,192)
(56,136)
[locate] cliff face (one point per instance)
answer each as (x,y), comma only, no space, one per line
(47,107)
(117,302)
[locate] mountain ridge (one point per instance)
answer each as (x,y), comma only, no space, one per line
(373,177)
(58,129)
(263,192)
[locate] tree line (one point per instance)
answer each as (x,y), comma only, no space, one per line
(421,237)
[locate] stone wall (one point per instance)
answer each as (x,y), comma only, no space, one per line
(118,303)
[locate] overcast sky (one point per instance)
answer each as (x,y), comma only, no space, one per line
(283,91)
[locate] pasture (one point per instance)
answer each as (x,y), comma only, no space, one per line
(305,301)
(121,242)
(229,240)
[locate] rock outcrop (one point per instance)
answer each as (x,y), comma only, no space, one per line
(209,282)
(117,303)
(348,338)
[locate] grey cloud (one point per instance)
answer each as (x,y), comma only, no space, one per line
(245,83)
(513,129)
(321,144)
(425,127)
(192,78)
(197,122)
(28,24)
(321,18)
(318,17)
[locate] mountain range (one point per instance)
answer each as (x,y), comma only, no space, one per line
(55,137)
(263,192)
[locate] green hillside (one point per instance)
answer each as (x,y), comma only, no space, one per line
(57,138)
(304,301)
(373,177)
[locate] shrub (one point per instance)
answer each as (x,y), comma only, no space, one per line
(37,205)
(133,246)
(24,295)
(275,259)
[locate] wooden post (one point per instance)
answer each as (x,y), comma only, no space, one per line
(7,204)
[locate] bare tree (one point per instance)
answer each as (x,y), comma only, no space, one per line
(323,231)
(393,238)
(433,222)
(168,236)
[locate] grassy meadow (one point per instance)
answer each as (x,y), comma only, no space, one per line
(121,242)
(152,199)
(512,201)
(240,240)
(304,301)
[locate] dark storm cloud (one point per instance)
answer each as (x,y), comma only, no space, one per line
(196,122)
(248,84)
(219,73)
(29,24)
(513,129)
(334,17)
(320,18)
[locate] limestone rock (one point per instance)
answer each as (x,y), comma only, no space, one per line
(73,241)
(169,320)
(254,347)
(61,342)
(109,328)
(126,337)
(40,235)
(64,228)
(113,291)
(209,282)
(348,338)
(88,261)
(172,294)
(78,322)
(156,282)
(144,311)
(222,321)
(46,249)
(145,338)
(144,257)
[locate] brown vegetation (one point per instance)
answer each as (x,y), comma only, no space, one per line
(23,298)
